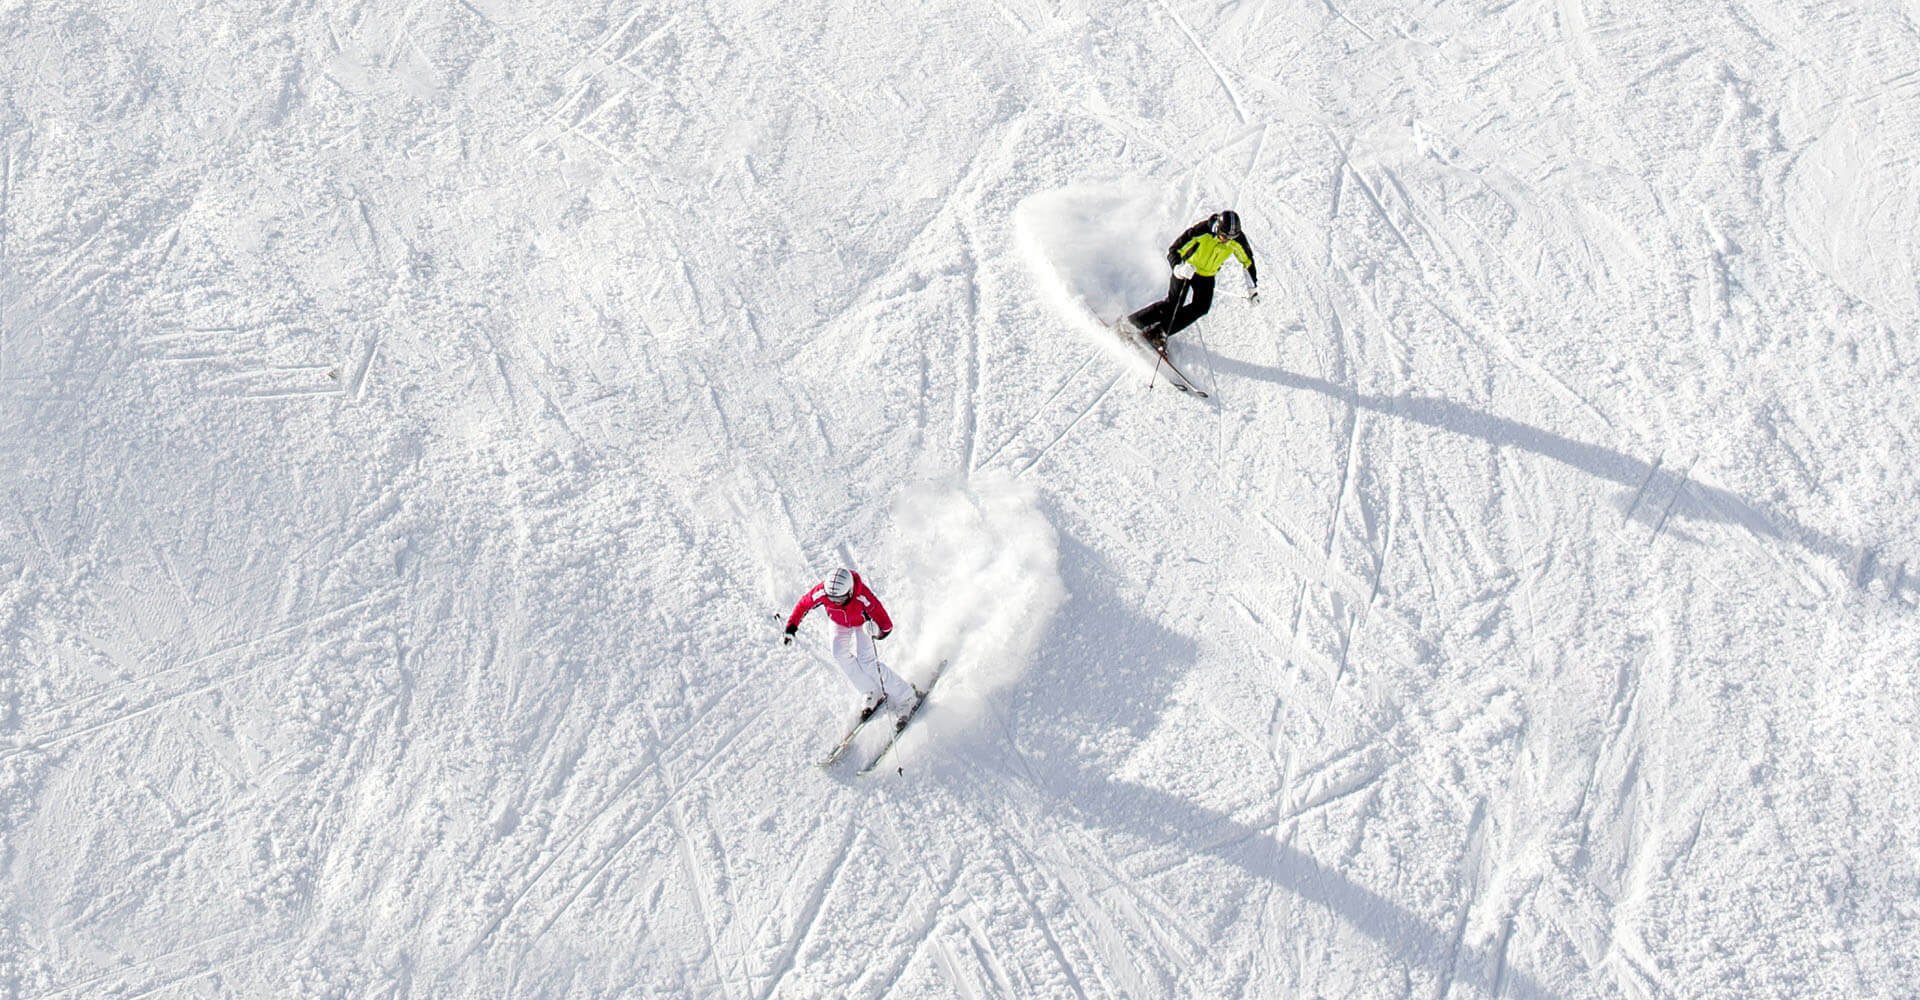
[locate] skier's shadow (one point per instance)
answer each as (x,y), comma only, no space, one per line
(1167,819)
(1100,652)
(1660,495)
(1109,674)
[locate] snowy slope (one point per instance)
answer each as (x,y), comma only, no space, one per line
(414,419)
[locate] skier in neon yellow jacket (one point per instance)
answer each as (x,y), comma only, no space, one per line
(1196,256)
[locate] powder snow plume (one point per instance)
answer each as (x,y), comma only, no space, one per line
(980,563)
(1096,248)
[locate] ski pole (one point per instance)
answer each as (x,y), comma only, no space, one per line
(1177,293)
(1173,302)
(1207,355)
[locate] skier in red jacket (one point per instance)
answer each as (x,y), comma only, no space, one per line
(858,621)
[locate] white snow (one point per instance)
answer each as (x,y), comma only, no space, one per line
(415,420)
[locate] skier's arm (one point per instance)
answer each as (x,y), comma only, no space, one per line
(1244,251)
(875,610)
(1184,245)
(808,601)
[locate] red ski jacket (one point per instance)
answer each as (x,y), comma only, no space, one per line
(861,606)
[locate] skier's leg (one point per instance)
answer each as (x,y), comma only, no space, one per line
(848,644)
(897,689)
(1147,317)
(1198,303)
(1176,291)
(1150,319)
(1172,307)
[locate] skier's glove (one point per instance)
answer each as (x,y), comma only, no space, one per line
(786,638)
(882,635)
(1184,272)
(1254,296)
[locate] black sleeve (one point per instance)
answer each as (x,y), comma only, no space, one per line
(1193,232)
(1247,245)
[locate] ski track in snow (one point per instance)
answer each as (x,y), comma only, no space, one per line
(416,422)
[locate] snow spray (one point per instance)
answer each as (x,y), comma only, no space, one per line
(1097,248)
(979,565)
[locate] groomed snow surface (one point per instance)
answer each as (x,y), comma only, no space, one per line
(416,417)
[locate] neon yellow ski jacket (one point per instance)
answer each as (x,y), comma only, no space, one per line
(1208,253)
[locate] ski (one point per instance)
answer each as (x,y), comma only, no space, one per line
(846,742)
(900,725)
(1184,384)
(1178,379)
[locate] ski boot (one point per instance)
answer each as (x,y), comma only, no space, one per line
(900,718)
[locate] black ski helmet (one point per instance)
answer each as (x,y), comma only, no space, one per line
(1226,225)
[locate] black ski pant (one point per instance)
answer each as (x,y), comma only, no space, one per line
(1197,293)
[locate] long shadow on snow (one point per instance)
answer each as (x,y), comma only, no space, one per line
(1692,499)
(1105,663)
(1165,818)
(1112,669)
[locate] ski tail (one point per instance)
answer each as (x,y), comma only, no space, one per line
(846,742)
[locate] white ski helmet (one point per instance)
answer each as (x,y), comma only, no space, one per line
(840,585)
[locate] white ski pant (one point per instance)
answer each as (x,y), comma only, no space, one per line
(853,650)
